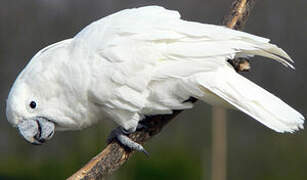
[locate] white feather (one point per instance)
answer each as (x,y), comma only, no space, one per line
(148,61)
(251,99)
(156,54)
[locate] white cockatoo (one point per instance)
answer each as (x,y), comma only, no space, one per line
(141,62)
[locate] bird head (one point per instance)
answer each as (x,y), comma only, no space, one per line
(44,98)
(23,112)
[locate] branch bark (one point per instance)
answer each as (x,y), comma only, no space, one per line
(114,155)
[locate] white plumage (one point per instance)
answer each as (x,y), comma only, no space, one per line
(146,61)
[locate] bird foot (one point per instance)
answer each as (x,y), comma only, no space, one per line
(121,135)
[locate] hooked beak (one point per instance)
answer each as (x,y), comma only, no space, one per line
(36,131)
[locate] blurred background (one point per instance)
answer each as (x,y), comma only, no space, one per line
(184,149)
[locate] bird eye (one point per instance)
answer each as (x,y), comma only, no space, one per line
(33,104)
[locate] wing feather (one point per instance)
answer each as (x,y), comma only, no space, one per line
(151,53)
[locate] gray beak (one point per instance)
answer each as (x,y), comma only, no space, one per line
(37,130)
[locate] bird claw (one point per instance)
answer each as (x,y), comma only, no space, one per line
(122,137)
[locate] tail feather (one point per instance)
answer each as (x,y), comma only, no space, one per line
(251,99)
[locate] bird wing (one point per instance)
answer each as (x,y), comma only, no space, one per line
(153,56)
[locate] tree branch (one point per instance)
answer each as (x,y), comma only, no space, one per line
(114,155)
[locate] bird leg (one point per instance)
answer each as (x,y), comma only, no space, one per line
(240,64)
(121,135)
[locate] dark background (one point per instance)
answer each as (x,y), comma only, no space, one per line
(183,149)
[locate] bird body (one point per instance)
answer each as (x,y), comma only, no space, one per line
(141,62)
